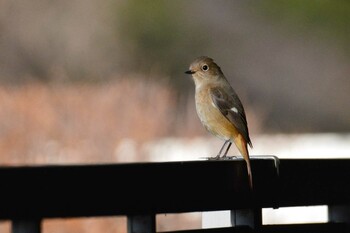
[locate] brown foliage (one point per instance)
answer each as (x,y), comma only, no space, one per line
(42,124)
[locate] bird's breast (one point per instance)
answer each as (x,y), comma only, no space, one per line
(211,117)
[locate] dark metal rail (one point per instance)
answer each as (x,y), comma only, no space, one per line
(142,190)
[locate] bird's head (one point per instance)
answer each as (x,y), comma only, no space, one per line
(204,69)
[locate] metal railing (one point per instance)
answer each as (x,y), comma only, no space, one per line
(142,190)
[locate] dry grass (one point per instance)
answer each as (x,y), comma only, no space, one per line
(86,225)
(42,124)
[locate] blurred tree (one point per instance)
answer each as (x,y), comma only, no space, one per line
(327,18)
(154,37)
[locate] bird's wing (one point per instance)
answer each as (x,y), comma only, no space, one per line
(231,107)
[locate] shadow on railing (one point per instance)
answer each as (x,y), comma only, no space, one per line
(142,190)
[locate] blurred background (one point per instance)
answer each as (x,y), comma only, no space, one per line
(103,82)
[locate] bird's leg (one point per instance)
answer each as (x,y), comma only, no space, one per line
(218,155)
(228,147)
(222,148)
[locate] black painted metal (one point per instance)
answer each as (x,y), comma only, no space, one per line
(142,224)
(26,226)
(145,189)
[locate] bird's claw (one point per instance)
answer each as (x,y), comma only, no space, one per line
(222,158)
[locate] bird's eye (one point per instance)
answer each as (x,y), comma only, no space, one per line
(205,67)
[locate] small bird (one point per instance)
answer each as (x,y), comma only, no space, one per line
(219,108)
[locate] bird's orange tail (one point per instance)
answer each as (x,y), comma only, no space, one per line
(242,147)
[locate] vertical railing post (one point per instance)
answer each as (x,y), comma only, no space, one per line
(141,223)
(339,214)
(247,217)
(26,226)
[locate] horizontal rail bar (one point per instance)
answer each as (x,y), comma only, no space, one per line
(170,187)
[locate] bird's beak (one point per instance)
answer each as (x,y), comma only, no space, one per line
(190,72)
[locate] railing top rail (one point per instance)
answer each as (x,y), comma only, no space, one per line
(170,187)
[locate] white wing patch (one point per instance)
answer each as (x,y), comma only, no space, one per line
(234,110)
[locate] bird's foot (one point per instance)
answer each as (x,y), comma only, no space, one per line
(222,158)
(229,157)
(214,158)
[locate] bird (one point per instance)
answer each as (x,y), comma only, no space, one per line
(219,109)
